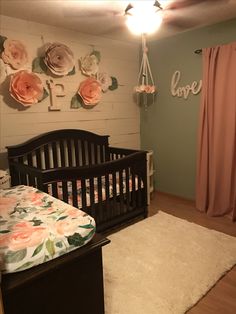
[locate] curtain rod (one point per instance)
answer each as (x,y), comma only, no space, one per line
(198,51)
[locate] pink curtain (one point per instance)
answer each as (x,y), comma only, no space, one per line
(216,160)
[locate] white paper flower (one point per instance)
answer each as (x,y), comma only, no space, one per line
(105,80)
(89,65)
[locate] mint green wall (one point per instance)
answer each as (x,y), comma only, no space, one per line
(169,127)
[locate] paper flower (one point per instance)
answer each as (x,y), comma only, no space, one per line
(14,54)
(149,89)
(26,88)
(59,59)
(2,71)
(89,65)
(90,91)
(105,80)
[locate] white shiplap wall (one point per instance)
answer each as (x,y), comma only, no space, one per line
(116,115)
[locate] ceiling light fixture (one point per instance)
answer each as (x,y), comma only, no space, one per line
(143,17)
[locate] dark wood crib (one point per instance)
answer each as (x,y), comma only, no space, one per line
(81,168)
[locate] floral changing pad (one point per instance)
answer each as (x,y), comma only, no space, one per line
(36,227)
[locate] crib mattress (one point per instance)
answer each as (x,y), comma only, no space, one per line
(88,194)
(36,227)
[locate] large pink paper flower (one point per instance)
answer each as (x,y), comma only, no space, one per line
(26,88)
(59,59)
(14,54)
(90,91)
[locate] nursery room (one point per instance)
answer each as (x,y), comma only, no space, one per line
(117,157)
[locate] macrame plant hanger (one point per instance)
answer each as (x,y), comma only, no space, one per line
(146,84)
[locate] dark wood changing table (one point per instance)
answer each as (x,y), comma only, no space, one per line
(70,284)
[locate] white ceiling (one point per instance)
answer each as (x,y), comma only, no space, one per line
(106,18)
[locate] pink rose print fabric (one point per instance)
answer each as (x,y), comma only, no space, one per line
(35,228)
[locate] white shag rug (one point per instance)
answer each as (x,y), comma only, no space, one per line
(163,265)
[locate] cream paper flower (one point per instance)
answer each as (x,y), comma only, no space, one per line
(105,80)
(59,59)
(89,65)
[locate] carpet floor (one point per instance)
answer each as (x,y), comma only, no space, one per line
(163,265)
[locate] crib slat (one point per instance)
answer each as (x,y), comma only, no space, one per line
(100,208)
(139,192)
(62,153)
(90,154)
(92,198)
(114,192)
(46,156)
(127,190)
(31,180)
(101,154)
(76,152)
(38,158)
(45,188)
(74,193)
(23,178)
(54,154)
(69,150)
(133,191)
(65,191)
(121,191)
(83,194)
(54,190)
(83,153)
(30,159)
(107,198)
(95,153)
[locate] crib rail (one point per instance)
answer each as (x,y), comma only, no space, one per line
(26,175)
(61,148)
(116,152)
(111,192)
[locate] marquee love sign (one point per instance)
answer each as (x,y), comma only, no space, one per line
(183,91)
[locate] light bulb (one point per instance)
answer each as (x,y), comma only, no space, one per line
(143,18)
